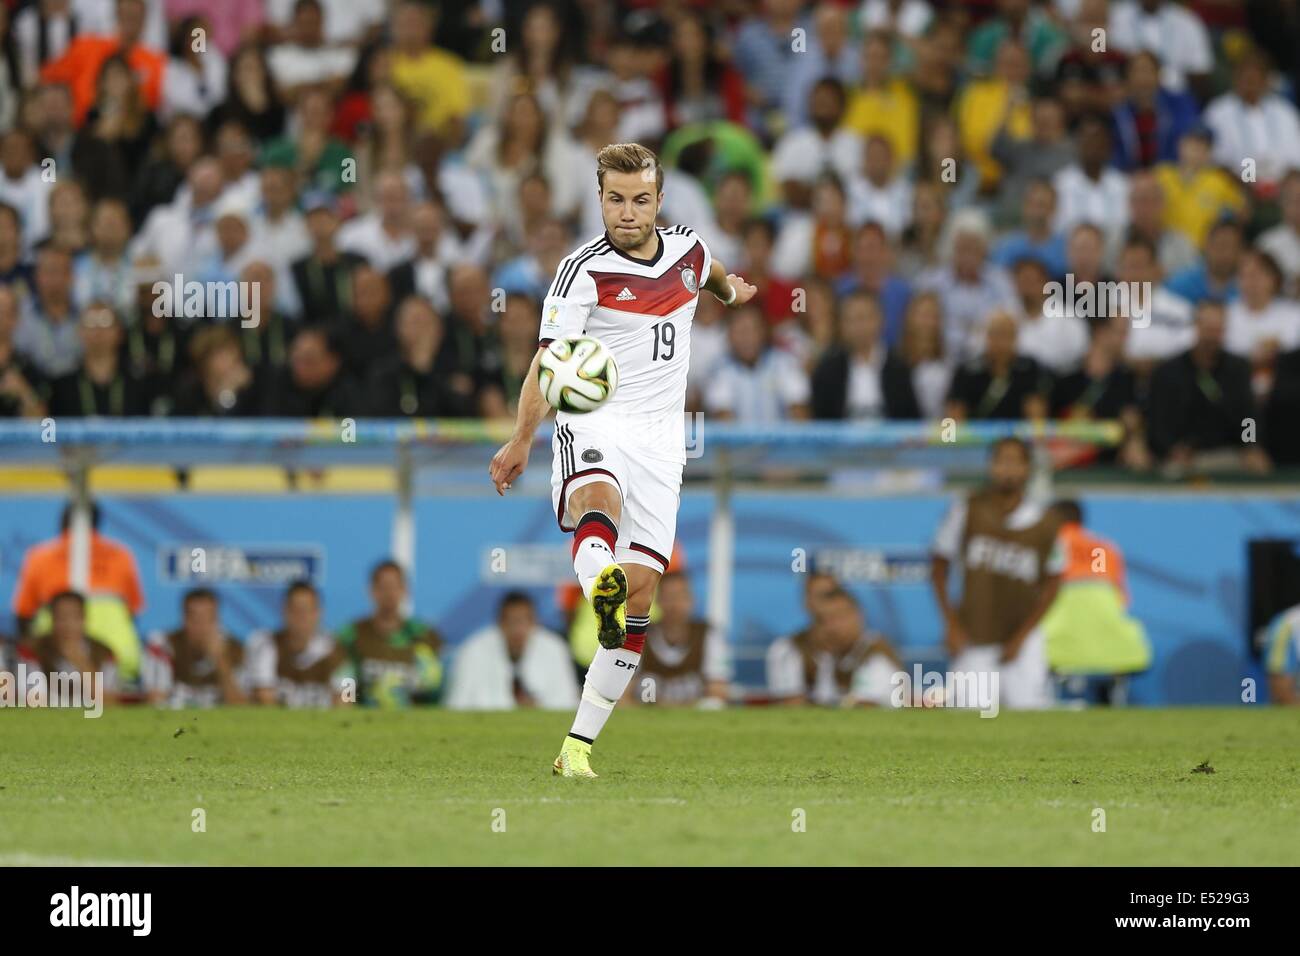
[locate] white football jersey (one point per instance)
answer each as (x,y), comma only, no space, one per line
(642,311)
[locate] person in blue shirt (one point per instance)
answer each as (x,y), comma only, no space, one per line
(1215,277)
(1282,656)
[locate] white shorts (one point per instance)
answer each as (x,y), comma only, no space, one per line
(1023,683)
(650,488)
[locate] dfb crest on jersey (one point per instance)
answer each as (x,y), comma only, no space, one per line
(688,279)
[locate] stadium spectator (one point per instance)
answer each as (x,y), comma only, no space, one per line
(969,286)
(1028,160)
(816,242)
(1282,242)
(514,663)
(195,80)
(383,236)
(830,54)
(393,658)
(226,24)
(998,104)
(315,383)
(434,78)
(1197,193)
(48,333)
(851,380)
(68,647)
(1151,120)
(436,250)
(885,105)
(104,270)
(1088,632)
(298,665)
(837,663)
(49,117)
(873,270)
(1036,236)
(25,186)
(1146,203)
(1001,383)
(81,63)
(1215,276)
(306,59)
(1168,327)
(323,278)
(114,594)
(685,660)
(700,86)
(1032,25)
(279,232)
(918,372)
(755,383)
(1003,540)
(367,336)
(1053,337)
(102,385)
(264,335)
(22,387)
(1174,34)
(765,57)
(1261,324)
(1200,402)
(921,245)
(1090,190)
(824,143)
(157,346)
(881,195)
(1103,388)
(1256,132)
(517,331)
(222,384)
(320,160)
(112,143)
(200,664)
(1085,254)
(176,235)
(41,31)
(157,181)
(409,383)
(252,99)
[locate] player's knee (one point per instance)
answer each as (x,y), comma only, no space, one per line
(598,496)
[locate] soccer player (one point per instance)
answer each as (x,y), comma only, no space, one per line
(300,665)
(1003,539)
(616,472)
(199,664)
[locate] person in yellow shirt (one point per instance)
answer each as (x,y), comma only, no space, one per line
(987,106)
(885,105)
(1197,193)
(432,77)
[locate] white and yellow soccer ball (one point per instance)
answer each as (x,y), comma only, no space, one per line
(577,374)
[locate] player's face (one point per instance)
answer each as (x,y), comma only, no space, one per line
(302,613)
(66,620)
(516,624)
(1009,469)
(200,617)
(629,203)
(388,591)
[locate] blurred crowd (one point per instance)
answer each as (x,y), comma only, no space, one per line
(353,207)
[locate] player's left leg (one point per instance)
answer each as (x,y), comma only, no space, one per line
(646,532)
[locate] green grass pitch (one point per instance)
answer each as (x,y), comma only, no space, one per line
(676,787)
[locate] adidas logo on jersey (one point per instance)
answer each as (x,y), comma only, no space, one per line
(625,296)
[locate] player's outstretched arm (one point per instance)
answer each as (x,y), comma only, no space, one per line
(731,290)
(512,458)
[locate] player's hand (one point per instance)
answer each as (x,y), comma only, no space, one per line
(509,463)
(955,638)
(744,291)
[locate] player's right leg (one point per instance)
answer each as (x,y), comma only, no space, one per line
(594,511)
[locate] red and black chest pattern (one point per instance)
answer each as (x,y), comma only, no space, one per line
(658,295)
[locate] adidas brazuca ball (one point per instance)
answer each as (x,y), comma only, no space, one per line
(577,374)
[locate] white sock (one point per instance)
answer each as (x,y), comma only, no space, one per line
(591,552)
(607,679)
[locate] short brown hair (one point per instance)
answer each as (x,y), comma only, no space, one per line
(628,158)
